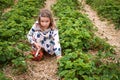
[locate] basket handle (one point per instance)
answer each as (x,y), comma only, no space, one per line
(37,52)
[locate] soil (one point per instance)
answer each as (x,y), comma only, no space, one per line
(46,69)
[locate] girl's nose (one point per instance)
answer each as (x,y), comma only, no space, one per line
(44,24)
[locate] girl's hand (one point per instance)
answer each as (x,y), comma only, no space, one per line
(59,57)
(37,45)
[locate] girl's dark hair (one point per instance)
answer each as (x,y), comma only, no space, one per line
(46,13)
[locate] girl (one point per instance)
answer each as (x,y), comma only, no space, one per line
(44,34)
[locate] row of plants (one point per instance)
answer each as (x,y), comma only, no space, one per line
(5,4)
(72,24)
(77,38)
(109,9)
(14,27)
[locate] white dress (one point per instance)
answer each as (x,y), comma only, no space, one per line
(48,39)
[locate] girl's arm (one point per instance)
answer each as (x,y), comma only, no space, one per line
(30,34)
(57,47)
(30,37)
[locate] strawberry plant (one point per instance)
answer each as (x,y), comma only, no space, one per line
(75,66)
(81,66)
(76,30)
(109,9)
(5,4)
(14,26)
(19,65)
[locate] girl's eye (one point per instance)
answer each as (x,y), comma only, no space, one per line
(44,21)
(47,21)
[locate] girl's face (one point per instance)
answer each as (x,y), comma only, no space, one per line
(45,22)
